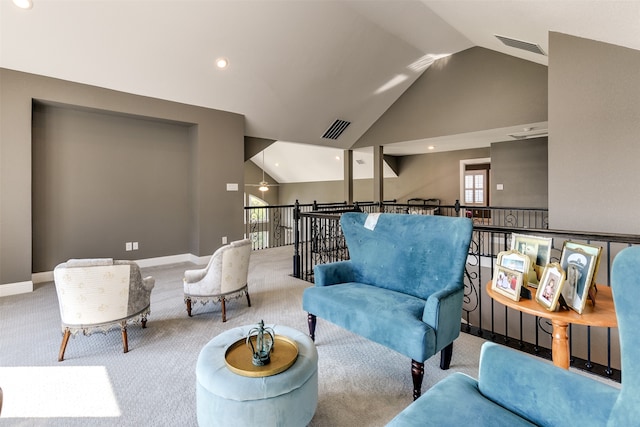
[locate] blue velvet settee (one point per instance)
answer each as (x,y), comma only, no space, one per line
(402,286)
(515,389)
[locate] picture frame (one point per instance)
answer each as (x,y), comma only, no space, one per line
(550,287)
(580,262)
(507,282)
(590,249)
(537,248)
(518,261)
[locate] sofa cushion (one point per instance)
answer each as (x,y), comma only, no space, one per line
(456,401)
(387,317)
(538,391)
(412,254)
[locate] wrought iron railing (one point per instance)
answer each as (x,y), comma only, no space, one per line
(273,226)
(320,240)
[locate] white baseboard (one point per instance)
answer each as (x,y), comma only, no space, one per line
(16,288)
(47,276)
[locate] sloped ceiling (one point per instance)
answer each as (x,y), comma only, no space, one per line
(295,66)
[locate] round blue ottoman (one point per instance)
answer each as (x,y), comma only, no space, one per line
(224,398)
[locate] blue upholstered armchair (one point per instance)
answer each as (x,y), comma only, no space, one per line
(515,389)
(402,286)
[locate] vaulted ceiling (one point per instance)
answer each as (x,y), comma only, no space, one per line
(294,66)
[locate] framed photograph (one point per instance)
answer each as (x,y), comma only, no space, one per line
(507,282)
(537,248)
(518,261)
(580,262)
(550,287)
(514,260)
(590,249)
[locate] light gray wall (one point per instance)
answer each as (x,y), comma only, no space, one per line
(216,156)
(476,89)
(434,175)
(594,125)
(521,168)
(325,192)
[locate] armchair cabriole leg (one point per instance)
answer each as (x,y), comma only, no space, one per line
(188,302)
(224,310)
(311,320)
(125,340)
(248,299)
(417,373)
(143,321)
(63,346)
(445,357)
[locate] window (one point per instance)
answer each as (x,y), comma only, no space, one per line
(475,188)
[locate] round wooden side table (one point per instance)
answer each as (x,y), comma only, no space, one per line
(603,314)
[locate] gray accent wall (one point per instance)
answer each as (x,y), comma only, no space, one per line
(594,128)
(100,180)
(207,147)
(521,168)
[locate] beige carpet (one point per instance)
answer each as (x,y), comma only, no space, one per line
(360,383)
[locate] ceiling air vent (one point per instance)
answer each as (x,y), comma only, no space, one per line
(519,44)
(336,129)
(529,133)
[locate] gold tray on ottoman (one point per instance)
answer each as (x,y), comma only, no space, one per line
(283,354)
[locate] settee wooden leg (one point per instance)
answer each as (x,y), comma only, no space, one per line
(125,340)
(224,310)
(188,302)
(311,320)
(143,321)
(445,357)
(63,346)
(417,373)
(248,299)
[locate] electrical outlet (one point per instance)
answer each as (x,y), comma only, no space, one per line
(135,246)
(224,240)
(128,246)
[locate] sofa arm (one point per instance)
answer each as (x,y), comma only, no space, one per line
(148,283)
(193,276)
(333,273)
(443,311)
(541,392)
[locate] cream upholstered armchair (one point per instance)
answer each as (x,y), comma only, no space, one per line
(225,276)
(96,295)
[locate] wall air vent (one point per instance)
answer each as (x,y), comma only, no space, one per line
(336,129)
(519,44)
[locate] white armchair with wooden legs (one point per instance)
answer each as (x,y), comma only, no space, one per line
(224,277)
(97,295)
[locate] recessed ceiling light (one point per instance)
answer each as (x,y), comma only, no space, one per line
(23,4)
(431,147)
(222,63)
(337,157)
